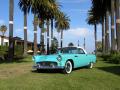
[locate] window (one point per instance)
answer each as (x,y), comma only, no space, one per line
(81,51)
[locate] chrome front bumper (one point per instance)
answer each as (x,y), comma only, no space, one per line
(47,67)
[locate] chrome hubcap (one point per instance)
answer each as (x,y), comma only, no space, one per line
(68,67)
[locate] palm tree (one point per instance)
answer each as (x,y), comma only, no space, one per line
(50,15)
(35,23)
(103,35)
(25,6)
(107,45)
(3,29)
(11,42)
(92,20)
(118,24)
(42,8)
(96,16)
(41,25)
(55,12)
(101,9)
(112,25)
(107,9)
(62,23)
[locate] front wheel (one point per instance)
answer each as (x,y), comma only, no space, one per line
(68,68)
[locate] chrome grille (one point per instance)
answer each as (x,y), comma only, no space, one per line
(48,64)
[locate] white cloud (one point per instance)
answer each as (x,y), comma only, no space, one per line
(78,32)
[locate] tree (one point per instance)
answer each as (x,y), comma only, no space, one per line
(3,29)
(43,30)
(101,10)
(25,6)
(44,10)
(50,15)
(70,44)
(92,20)
(118,24)
(35,23)
(62,23)
(11,41)
(112,25)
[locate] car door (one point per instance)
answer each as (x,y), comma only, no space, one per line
(82,57)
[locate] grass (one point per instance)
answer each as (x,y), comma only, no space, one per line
(20,76)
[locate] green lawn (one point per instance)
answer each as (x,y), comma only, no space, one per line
(20,76)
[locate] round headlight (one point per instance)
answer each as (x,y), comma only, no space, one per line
(59,58)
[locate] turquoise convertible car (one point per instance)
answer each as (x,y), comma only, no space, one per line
(66,59)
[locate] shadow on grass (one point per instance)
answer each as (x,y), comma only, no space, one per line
(111,69)
(50,71)
(53,71)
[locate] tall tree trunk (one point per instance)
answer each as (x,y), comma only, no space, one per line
(107,42)
(61,40)
(42,49)
(118,24)
(11,42)
(35,36)
(112,26)
(103,36)
(95,33)
(25,34)
(48,37)
(51,31)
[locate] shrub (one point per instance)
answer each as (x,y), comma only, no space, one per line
(18,51)
(115,58)
(3,51)
(112,58)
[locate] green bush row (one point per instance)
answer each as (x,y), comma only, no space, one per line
(18,52)
(112,58)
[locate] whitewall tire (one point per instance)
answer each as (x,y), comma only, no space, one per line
(90,65)
(68,67)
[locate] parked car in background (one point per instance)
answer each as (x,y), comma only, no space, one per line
(66,59)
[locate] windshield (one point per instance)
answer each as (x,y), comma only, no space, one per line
(71,50)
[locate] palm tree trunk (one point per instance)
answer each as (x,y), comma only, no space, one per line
(51,31)
(112,26)
(61,41)
(11,42)
(2,40)
(103,36)
(42,38)
(107,42)
(35,36)
(25,34)
(118,24)
(95,33)
(48,37)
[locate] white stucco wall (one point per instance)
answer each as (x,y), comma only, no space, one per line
(4,41)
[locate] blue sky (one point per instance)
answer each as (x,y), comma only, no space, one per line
(75,9)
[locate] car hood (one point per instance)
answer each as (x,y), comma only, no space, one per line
(41,58)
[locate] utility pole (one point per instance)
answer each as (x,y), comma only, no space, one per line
(84,44)
(78,43)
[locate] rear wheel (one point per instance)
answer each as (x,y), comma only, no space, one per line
(68,68)
(90,65)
